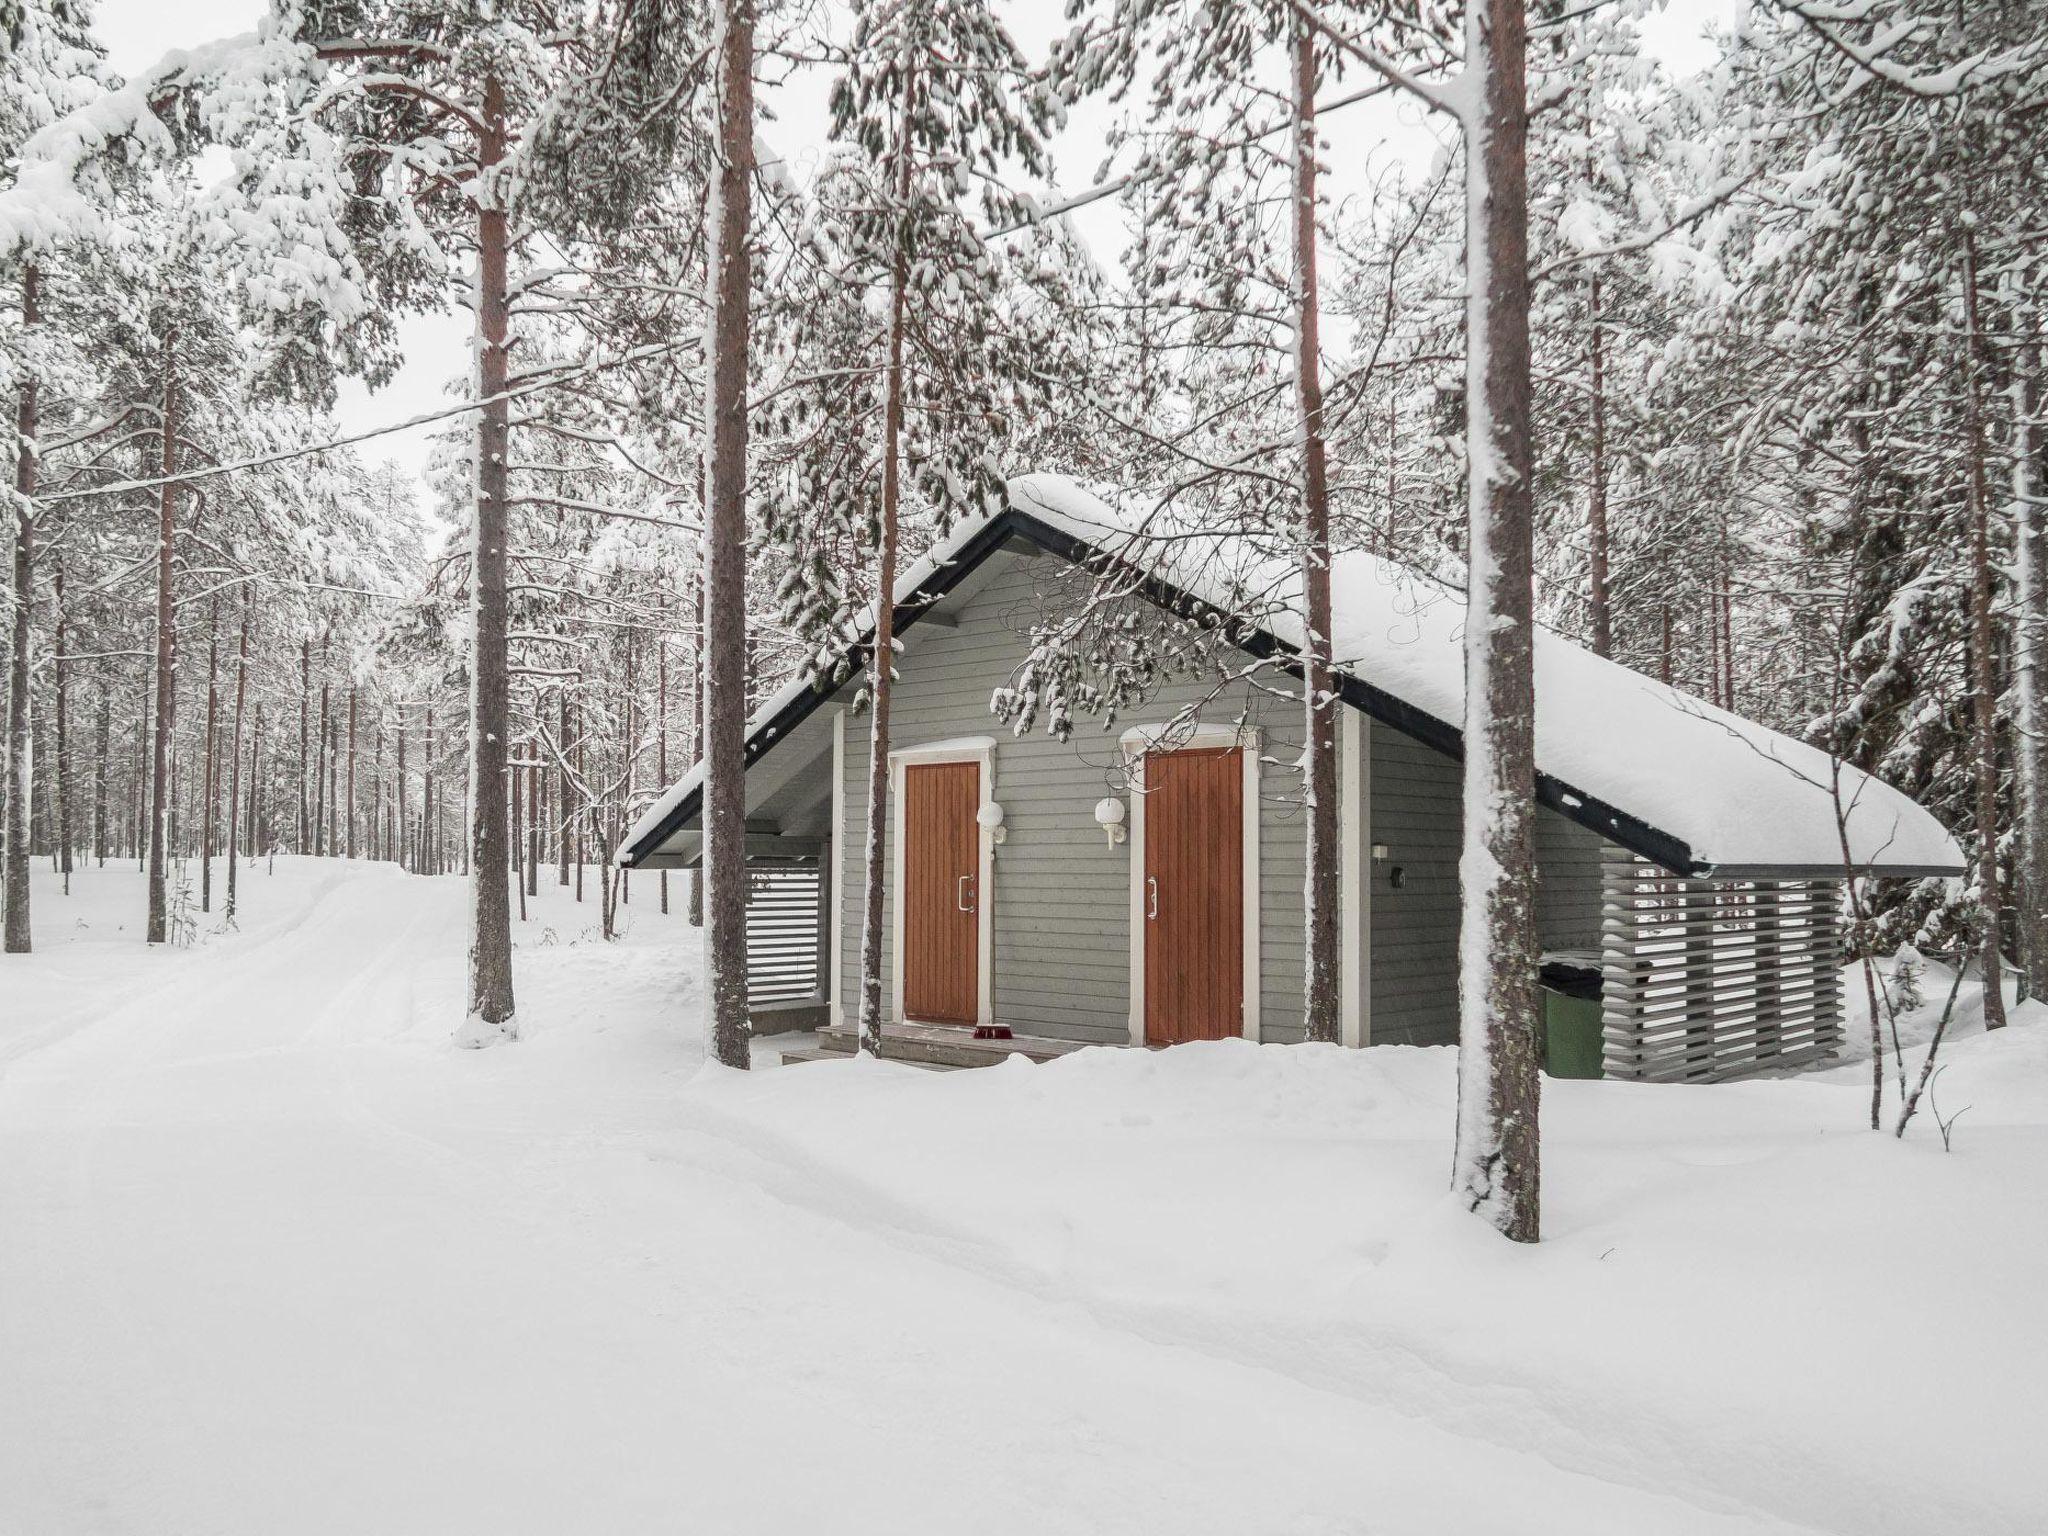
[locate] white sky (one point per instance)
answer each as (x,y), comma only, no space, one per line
(138,32)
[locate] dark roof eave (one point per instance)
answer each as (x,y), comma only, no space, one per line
(1611,822)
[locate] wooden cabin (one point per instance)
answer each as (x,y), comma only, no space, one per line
(1140,881)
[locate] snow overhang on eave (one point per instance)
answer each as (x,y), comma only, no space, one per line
(1618,826)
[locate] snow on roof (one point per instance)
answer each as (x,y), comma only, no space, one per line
(1736,794)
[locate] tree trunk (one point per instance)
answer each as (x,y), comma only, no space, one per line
(2030,657)
(1496,1168)
(582,809)
(516,811)
(207,774)
(349,811)
(235,750)
(20,741)
(259,822)
(882,666)
(430,804)
(405,854)
(562,797)
(166,652)
(537,797)
(725,541)
(144,734)
(323,758)
(661,736)
(1983,682)
(60,680)
(489,851)
(102,733)
(695,898)
(306,760)
(1598,608)
(1321,981)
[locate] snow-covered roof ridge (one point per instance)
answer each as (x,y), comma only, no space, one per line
(1644,763)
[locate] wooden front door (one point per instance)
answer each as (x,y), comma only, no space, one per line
(941,892)
(1194,895)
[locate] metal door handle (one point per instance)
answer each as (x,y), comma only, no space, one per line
(960,894)
(1152,885)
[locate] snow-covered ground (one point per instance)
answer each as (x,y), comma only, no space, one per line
(275,1257)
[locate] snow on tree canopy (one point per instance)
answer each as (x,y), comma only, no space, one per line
(1738,796)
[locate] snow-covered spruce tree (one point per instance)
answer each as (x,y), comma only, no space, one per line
(1896,295)
(428,104)
(1601,194)
(934,98)
(52,67)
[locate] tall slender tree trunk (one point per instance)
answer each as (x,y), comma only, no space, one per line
(207,774)
(349,811)
(1496,1168)
(489,851)
(1983,680)
(166,651)
(139,844)
(661,736)
(405,853)
(20,727)
(725,543)
(60,680)
(103,731)
(2030,659)
(430,803)
(1599,608)
(537,795)
(882,666)
(562,797)
(235,749)
(1321,980)
(323,758)
(518,872)
(694,899)
(305,842)
(259,820)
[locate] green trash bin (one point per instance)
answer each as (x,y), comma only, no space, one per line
(1572,1041)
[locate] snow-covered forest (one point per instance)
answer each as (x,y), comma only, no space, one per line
(452,436)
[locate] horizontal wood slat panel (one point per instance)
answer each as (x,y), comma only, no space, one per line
(1704,980)
(785,917)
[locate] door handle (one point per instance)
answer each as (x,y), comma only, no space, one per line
(1152,885)
(960,894)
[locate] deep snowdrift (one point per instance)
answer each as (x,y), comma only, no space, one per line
(280,1259)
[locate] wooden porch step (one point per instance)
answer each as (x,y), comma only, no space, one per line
(942,1045)
(796,1058)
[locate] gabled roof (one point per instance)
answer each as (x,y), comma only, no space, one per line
(1694,788)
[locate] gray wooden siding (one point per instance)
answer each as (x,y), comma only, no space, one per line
(1416,813)
(1062,892)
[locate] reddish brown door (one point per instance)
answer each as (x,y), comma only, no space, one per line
(1194,895)
(941,864)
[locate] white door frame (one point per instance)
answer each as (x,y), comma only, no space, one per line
(1354,842)
(1136,742)
(980,750)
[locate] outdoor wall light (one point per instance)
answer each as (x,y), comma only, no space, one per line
(991,817)
(1109,815)
(1381,853)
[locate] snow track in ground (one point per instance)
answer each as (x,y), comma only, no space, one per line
(279,1258)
